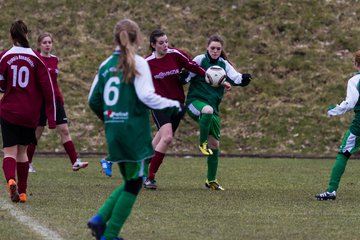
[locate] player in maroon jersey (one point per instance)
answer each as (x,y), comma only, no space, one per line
(45,46)
(166,64)
(26,83)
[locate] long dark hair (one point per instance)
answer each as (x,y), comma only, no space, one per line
(154,35)
(18,33)
(217,38)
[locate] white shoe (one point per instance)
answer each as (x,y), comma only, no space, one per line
(31,168)
(79,164)
(150,184)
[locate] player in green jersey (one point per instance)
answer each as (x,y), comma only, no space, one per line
(351,141)
(203,103)
(121,95)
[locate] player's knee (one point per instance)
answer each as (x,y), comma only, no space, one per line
(207,109)
(64,133)
(167,139)
(133,186)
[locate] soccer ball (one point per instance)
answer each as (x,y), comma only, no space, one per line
(215,76)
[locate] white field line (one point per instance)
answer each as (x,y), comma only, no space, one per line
(21,217)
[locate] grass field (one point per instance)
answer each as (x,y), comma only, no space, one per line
(264,199)
(300,54)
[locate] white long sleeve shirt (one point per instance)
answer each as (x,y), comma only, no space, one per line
(352,98)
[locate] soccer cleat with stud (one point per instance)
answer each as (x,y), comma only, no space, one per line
(97,226)
(79,165)
(204,149)
(14,194)
(326,196)
(150,184)
(214,185)
(23,197)
(31,168)
(106,167)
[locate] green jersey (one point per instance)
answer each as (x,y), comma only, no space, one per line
(200,90)
(124,109)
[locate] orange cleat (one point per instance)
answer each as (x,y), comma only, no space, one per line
(23,197)
(14,195)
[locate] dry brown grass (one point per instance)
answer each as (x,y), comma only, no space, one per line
(299,52)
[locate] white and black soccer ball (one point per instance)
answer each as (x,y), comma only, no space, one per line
(215,76)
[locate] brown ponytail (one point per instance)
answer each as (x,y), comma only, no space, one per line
(18,32)
(357,58)
(127,36)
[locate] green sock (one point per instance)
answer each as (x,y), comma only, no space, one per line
(204,125)
(337,172)
(212,162)
(119,214)
(107,208)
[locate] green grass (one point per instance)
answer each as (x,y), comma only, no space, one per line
(264,199)
(9,228)
(299,53)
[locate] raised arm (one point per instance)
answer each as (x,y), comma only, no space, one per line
(145,90)
(189,64)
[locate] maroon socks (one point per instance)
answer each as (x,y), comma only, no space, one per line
(31,151)
(70,150)
(155,164)
(22,176)
(9,168)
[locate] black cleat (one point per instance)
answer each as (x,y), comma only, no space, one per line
(326,196)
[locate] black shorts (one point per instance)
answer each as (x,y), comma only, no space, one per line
(161,118)
(16,135)
(60,115)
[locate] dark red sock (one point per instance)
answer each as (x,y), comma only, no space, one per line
(9,168)
(31,151)
(70,150)
(22,174)
(155,163)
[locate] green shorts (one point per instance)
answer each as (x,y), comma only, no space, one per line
(350,143)
(134,170)
(194,111)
